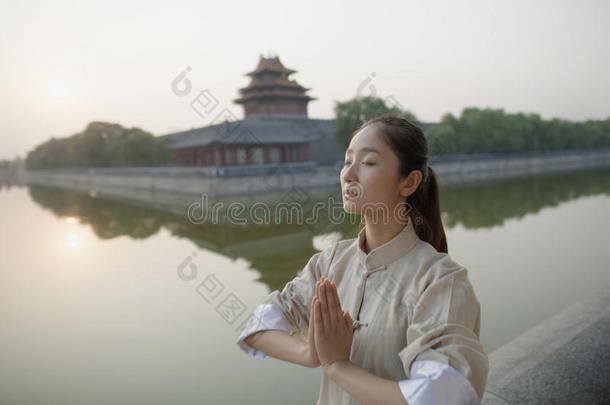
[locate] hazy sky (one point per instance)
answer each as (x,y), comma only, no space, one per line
(66,63)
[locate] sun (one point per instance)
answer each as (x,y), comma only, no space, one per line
(72,241)
(59,92)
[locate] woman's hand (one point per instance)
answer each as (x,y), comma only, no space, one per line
(332,326)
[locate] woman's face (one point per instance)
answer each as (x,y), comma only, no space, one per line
(369,178)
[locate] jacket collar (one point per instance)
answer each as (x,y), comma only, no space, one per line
(380,257)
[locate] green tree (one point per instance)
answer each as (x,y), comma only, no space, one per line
(442,140)
(494,131)
(352,113)
(101,144)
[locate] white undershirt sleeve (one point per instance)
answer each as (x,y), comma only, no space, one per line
(433,382)
(265,317)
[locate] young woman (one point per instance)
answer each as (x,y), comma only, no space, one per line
(388,315)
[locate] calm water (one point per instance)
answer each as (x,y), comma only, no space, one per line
(92,308)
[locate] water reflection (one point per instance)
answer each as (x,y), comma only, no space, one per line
(489,205)
(277,251)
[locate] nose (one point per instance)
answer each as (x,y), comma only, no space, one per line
(348,174)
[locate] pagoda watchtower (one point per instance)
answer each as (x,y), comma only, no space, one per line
(271,92)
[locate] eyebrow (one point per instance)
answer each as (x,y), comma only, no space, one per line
(364,149)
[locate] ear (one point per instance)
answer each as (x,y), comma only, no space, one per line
(410,184)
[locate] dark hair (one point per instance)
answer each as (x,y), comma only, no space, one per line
(410,145)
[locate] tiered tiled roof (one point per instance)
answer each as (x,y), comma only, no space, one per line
(270,79)
(270,64)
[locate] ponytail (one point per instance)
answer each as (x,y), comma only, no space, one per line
(426,212)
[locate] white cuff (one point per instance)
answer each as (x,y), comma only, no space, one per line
(265,317)
(433,382)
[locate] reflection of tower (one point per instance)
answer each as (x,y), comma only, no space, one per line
(271,92)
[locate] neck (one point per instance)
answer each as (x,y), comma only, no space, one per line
(376,234)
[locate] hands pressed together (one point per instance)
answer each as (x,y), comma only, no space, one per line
(330,328)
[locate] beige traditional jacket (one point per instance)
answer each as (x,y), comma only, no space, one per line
(408,302)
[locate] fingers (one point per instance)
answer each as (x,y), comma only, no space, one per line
(316,308)
(317,289)
(326,321)
(348,320)
(334,307)
(311,314)
(319,326)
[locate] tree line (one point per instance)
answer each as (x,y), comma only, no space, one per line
(494,131)
(479,130)
(476,130)
(101,144)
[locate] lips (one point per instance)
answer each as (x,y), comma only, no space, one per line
(351,192)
